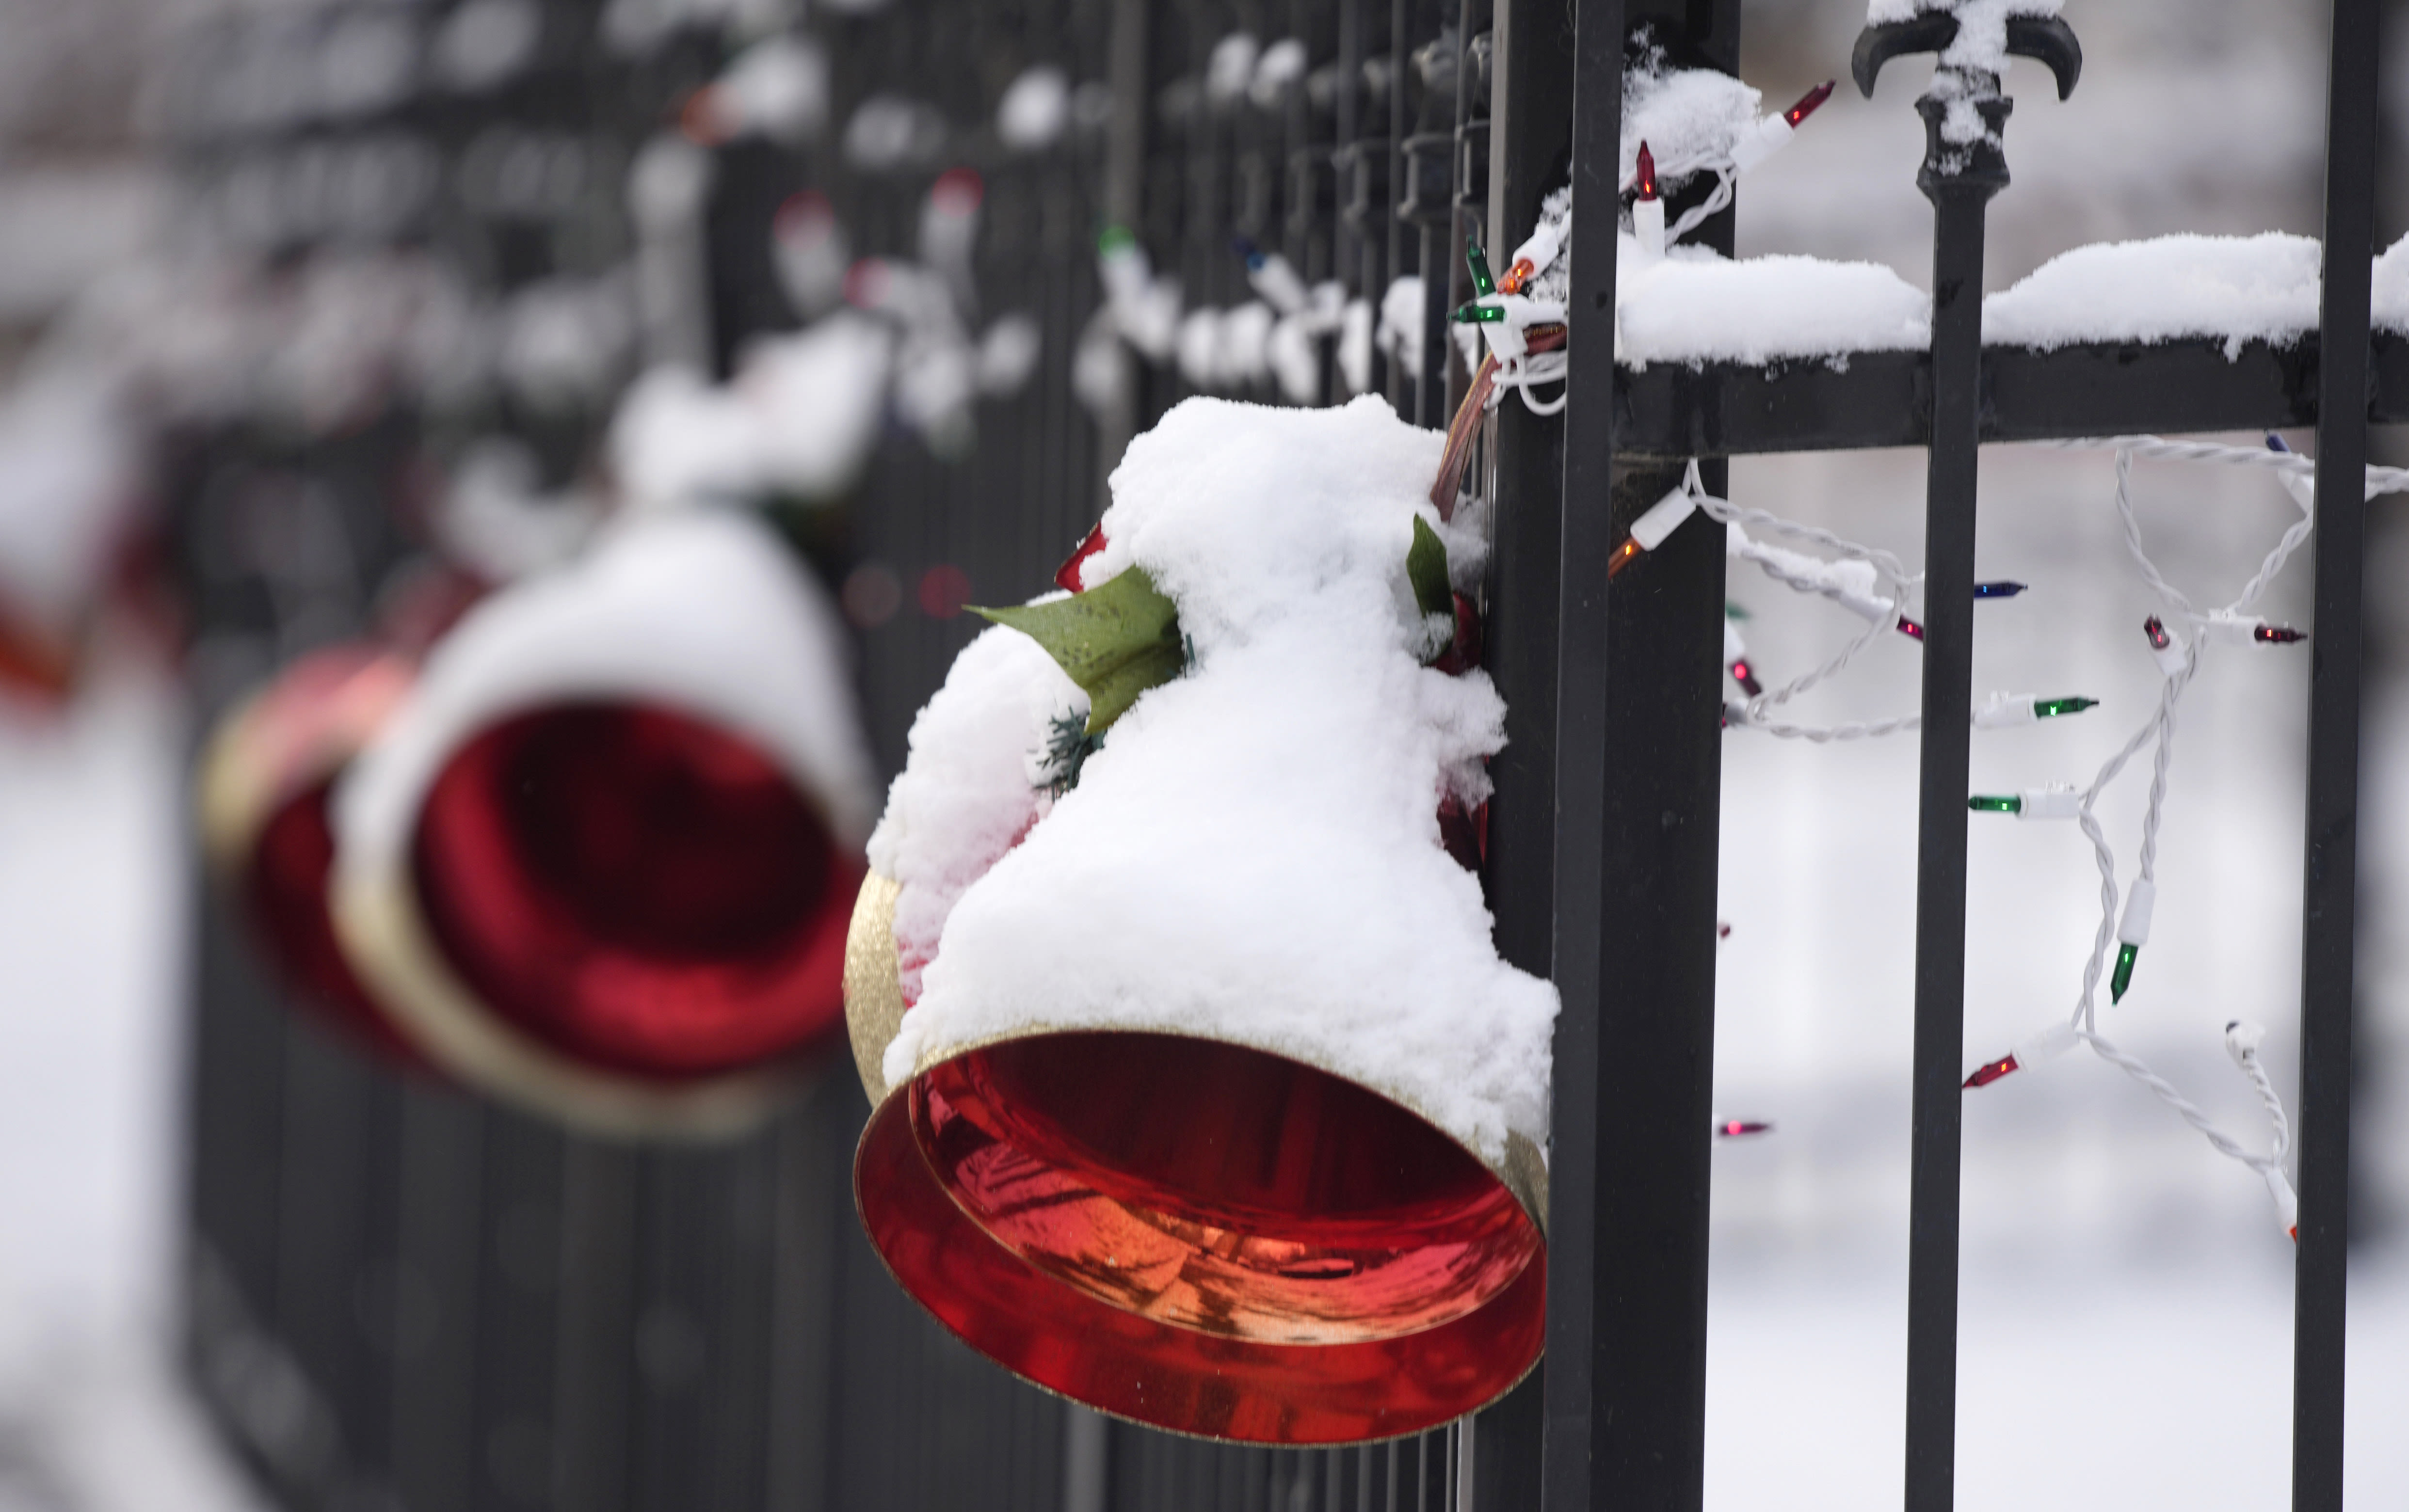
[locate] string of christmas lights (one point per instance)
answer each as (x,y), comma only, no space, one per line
(1867,580)
(2178,659)
(1872,585)
(1524,335)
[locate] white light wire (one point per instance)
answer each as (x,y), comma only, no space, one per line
(1891,581)
(2159,729)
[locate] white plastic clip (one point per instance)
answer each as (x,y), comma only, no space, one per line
(1648,228)
(2006,709)
(2045,1043)
(2288,1205)
(2170,656)
(1662,518)
(2056,802)
(1761,141)
(2135,929)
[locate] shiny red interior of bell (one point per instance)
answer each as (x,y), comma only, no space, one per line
(1204,1237)
(284,893)
(637,889)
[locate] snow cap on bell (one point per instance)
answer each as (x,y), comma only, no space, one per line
(689,648)
(1280,795)
(1245,891)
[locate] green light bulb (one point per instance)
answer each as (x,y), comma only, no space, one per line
(1983,804)
(1481,282)
(2052,708)
(1480,314)
(2124,973)
(1115,239)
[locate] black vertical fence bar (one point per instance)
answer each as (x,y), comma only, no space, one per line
(1572,1471)
(1468,201)
(593,1414)
(1430,199)
(1638,774)
(1124,189)
(433,1315)
(2329,877)
(1530,124)
(1959,198)
(1401,246)
(523,1274)
(812,1192)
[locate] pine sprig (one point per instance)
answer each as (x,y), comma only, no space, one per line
(1068,746)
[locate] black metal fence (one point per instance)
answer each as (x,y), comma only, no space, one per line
(402,1298)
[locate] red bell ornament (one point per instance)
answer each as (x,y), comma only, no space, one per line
(264,796)
(600,861)
(1201,1095)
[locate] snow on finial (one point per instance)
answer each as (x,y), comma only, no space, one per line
(1982,25)
(1973,40)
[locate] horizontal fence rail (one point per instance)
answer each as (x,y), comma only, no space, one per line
(1669,411)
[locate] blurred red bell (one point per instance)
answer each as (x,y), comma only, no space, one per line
(265,780)
(1194,1234)
(600,862)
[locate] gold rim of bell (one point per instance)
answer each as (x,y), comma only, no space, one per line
(384,936)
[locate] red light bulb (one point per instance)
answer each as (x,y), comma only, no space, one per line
(1735,1127)
(1912,629)
(2277,635)
(2156,628)
(1746,677)
(1646,172)
(1986,1074)
(1807,102)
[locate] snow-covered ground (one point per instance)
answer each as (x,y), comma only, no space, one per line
(94,1417)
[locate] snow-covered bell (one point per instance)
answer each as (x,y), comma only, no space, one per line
(600,861)
(1200,1094)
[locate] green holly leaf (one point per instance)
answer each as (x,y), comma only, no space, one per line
(1426,569)
(1117,640)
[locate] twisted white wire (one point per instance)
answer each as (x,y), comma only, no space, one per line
(2225,1143)
(2158,448)
(1696,216)
(2161,727)
(1526,372)
(1891,581)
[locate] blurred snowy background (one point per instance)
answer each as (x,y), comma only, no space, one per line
(93,875)
(2125,1307)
